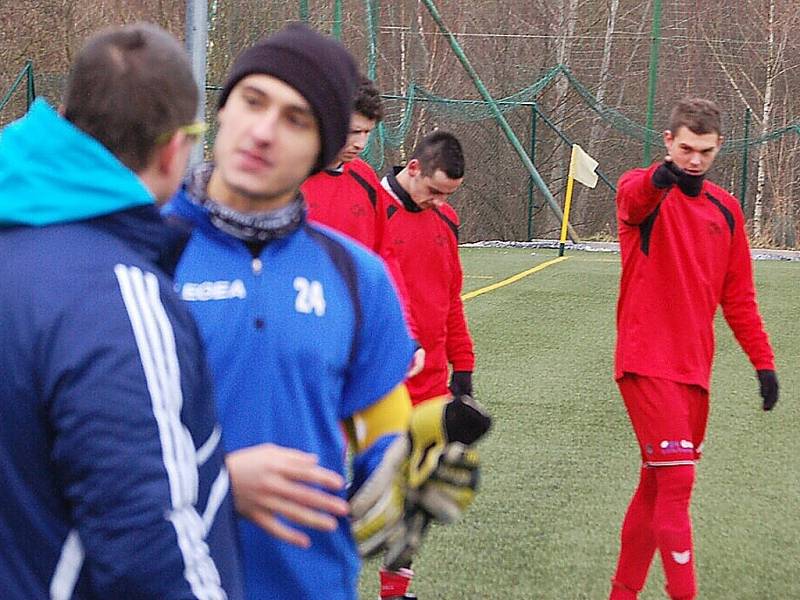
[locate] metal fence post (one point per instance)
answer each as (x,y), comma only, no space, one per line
(655,42)
(31,87)
(196,44)
(531,188)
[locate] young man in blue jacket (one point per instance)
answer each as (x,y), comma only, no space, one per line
(303,328)
(113,481)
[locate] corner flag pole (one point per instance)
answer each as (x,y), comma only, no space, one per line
(567,202)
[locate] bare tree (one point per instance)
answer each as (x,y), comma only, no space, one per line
(771,69)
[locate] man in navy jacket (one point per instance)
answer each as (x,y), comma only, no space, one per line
(112,481)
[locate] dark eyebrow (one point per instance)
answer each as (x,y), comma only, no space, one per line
(253,90)
(708,149)
(291,107)
(296,108)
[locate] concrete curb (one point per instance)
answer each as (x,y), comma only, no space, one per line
(756,253)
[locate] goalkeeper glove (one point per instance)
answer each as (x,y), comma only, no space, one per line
(768,387)
(377,506)
(443,470)
(436,423)
(380,444)
(444,497)
(452,486)
(433,452)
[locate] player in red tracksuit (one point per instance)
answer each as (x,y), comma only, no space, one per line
(347,195)
(423,233)
(684,253)
(423,230)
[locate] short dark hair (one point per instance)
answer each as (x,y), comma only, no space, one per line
(699,115)
(127,87)
(368,100)
(440,150)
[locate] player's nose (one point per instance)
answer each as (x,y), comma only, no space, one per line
(263,129)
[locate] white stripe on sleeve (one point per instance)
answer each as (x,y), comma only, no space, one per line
(219,489)
(69,565)
(205,451)
(155,340)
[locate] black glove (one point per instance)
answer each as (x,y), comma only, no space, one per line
(668,174)
(768,387)
(461,383)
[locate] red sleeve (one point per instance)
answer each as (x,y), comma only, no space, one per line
(637,196)
(460,352)
(739,300)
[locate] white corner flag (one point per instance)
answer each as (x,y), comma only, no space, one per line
(582,167)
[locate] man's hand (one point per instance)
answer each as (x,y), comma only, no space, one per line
(666,175)
(417,363)
(269,481)
(461,384)
(768,387)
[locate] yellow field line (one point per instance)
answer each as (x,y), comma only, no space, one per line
(512,279)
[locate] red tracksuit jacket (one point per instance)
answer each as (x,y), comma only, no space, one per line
(682,257)
(425,243)
(353,202)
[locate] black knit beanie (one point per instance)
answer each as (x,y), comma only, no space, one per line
(318,67)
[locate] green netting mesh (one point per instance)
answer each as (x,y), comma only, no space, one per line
(557,78)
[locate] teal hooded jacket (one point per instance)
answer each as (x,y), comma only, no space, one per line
(52,172)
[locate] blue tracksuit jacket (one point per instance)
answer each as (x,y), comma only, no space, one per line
(112,483)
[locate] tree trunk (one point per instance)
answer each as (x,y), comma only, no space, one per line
(769,85)
(563,56)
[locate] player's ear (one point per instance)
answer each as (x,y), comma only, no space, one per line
(167,154)
(414,167)
(668,139)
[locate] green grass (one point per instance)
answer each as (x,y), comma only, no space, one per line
(561,462)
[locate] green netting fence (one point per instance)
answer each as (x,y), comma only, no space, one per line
(552,86)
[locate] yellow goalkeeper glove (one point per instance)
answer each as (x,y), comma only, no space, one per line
(443,470)
(378,505)
(381,447)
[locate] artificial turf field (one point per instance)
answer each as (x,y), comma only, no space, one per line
(561,462)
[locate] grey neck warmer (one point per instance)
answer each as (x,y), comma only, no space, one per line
(248,227)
